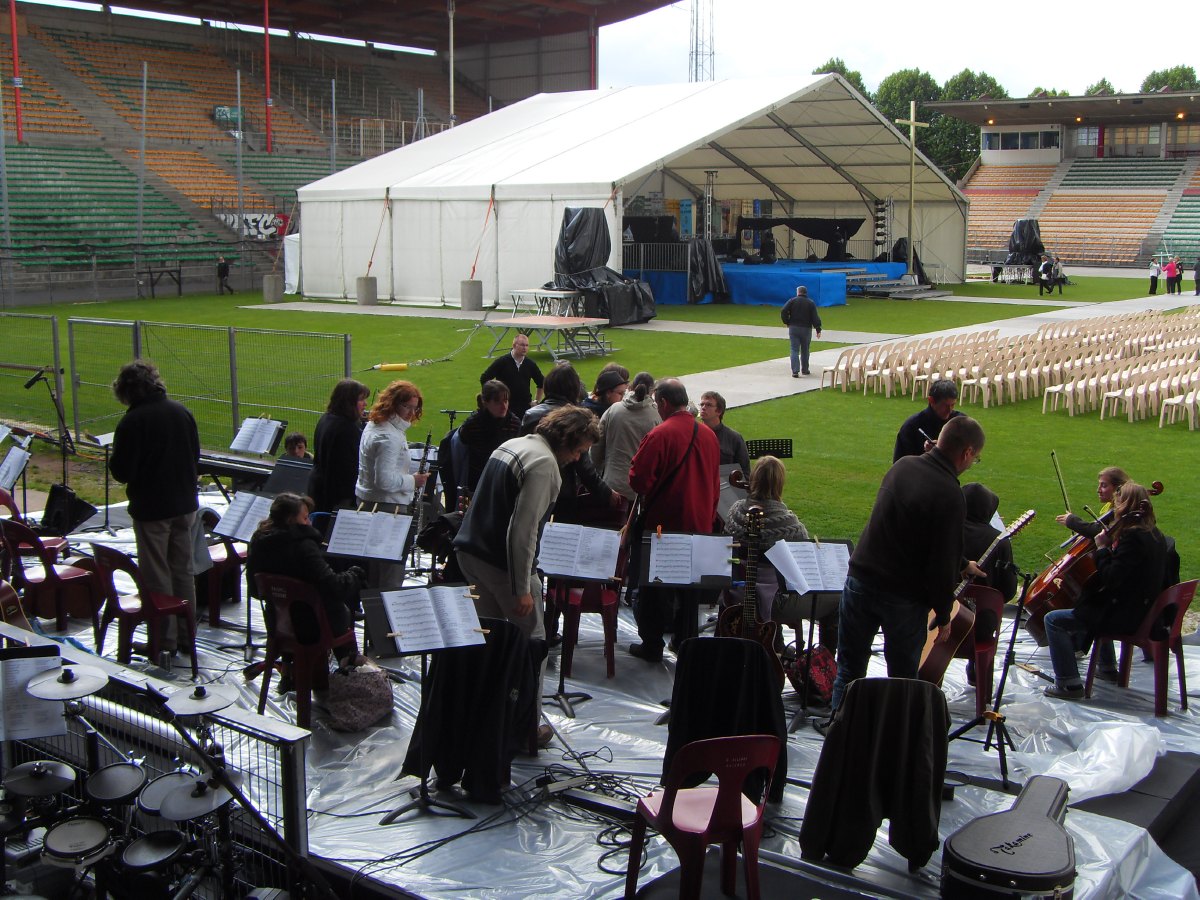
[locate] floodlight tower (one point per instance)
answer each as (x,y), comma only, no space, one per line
(700,60)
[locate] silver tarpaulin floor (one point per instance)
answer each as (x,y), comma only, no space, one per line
(535,846)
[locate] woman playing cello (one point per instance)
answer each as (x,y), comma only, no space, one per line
(1130,558)
(1110,481)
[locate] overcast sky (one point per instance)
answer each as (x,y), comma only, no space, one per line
(1064,44)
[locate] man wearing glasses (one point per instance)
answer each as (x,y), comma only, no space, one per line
(909,559)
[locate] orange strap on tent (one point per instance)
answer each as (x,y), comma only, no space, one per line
(478,247)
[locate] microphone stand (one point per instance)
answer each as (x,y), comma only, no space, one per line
(65,443)
(997,728)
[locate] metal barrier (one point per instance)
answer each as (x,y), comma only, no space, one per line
(269,755)
(223,375)
(30,343)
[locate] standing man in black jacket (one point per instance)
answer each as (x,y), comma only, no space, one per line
(909,559)
(518,371)
(154,454)
(800,316)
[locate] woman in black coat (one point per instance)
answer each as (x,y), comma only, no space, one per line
(486,429)
(335,446)
(286,544)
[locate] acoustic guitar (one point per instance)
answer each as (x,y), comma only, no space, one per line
(742,620)
(936,657)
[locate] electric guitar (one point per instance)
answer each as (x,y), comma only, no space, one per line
(935,657)
(742,621)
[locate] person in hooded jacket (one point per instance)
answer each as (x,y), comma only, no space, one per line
(978,535)
(622,428)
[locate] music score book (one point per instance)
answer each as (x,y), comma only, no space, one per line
(432,618)
(21,715)
(690,559)
(258,435)
(807,566)
(578,551)
(240,521)
(377,535)
(12,467)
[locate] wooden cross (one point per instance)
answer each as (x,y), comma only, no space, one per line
(913,125)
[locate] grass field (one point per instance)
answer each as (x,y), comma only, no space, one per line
(843,442)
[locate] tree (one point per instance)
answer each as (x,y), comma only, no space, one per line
(898,89)
(1103,86)
(1179,78)
(835,64)
(1049,92)
(953,143)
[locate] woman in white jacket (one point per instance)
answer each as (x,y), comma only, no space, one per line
(622,428)
(386,482)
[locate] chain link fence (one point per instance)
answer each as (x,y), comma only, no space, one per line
(30,343)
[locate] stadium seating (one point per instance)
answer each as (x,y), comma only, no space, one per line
(204,183)
(43,109)
(1000,195)
(1123,173)
(1182,235)
(281,173)
(1098,226)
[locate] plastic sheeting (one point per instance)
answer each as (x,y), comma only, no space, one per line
(543,848)
(583,244)
(705,275)
(1025,247)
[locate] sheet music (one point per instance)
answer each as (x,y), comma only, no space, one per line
(23,716)
(432,618)
(106,439)
(578,551)
(12,467)
(241,519)
(711,556)
(256,435)
(822,567)
(378,535)
(5,431)
(780,556)
(671,558)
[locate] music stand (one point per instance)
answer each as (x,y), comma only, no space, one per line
(422,800)
(562,697)
(997,727)
(105,441)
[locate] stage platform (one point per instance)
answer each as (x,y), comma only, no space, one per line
(773,284)
(540,846)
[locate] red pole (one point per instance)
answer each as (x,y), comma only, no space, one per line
(12,21)
(266,63)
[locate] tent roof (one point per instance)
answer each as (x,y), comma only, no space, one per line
(819,141)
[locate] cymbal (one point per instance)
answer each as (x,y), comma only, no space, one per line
(67,683)
(39,778)
(200,700)
(198,799)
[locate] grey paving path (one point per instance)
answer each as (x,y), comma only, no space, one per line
(772,379)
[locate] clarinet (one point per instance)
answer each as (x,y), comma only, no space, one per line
(417,509)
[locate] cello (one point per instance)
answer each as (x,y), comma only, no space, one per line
(1061,584)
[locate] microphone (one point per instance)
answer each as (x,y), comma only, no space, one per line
(41,373)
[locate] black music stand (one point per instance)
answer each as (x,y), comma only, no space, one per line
(565,699)
(422,800)
(997,727)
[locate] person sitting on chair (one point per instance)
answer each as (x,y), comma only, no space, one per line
(286,544)
(295,446)
(1130,560)
(779,523)
(486,429)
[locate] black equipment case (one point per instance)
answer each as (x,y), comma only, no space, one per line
(1022,852)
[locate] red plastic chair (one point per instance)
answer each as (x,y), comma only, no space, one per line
(228,561)
(59,545)
(59,590)
(692,818)
(143,606)
(1161,633)
(310,660)
(576,598)
(980,645)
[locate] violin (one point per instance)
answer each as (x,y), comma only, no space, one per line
(1062,583)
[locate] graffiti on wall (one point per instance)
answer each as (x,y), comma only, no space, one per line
(258,226)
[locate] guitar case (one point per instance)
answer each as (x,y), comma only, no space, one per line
(1022,852)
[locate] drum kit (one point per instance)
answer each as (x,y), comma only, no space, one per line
(135,835)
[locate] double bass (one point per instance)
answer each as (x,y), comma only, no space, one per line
(1062,583)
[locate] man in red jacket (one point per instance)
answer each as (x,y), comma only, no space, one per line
(676,471)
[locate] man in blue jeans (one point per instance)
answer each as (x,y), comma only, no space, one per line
(800,316)
(909,559)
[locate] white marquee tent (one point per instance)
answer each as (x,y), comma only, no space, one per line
(485,200)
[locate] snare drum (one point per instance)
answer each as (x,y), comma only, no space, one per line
(150,799)
(77,842)
(154,851)
(116,784)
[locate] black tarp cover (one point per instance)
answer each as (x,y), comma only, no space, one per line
(704,273)
(583,243)
(579,257)
(900,255)
(817,229)
(1025,247)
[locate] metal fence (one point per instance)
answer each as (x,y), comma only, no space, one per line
(223,375)
(269,758)
(30,343)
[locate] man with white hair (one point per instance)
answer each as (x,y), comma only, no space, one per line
(800,316)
